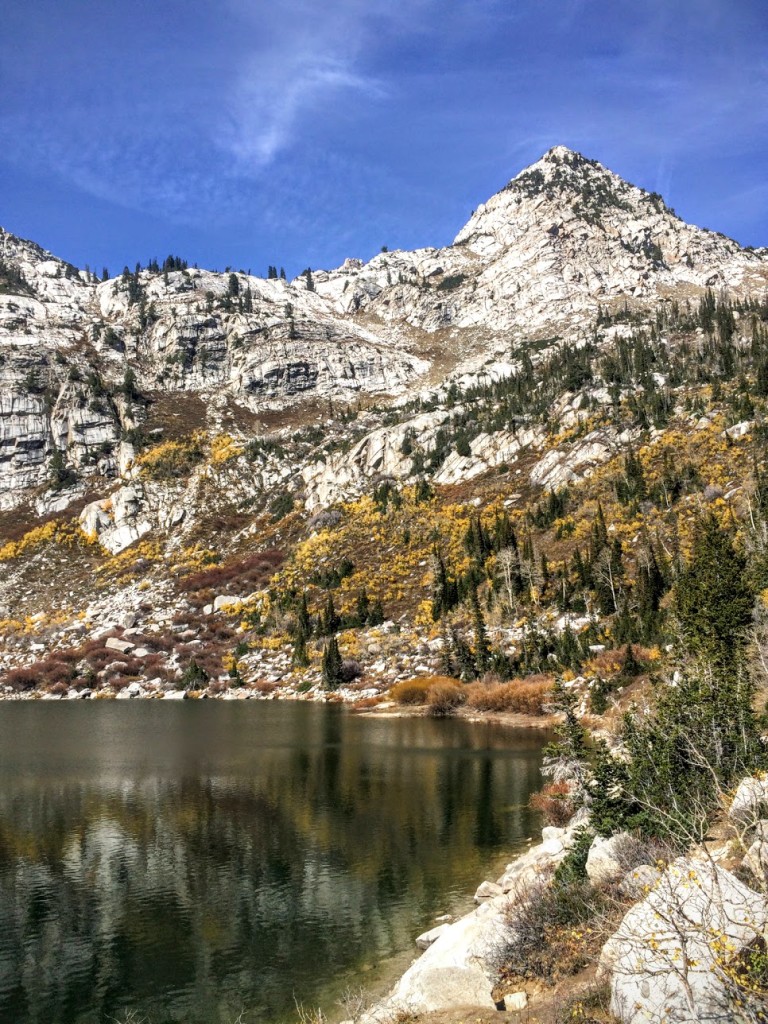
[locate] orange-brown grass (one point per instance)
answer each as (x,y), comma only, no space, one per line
(443,698)
(523,696)
(416,691)
(366,702)
(610,663)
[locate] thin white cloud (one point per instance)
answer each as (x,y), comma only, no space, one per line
(267,105)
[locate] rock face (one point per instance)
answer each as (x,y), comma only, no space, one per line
(664,960)
(83,360)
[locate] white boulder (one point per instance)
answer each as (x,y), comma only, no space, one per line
(604,860)
(425,940)
(486,890)
(663,961)
(114,643)
(750,797)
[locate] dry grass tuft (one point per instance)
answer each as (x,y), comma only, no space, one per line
(523,696)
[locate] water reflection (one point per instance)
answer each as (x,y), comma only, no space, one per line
(191,861)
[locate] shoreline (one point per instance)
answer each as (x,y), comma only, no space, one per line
(455,969)
(349,701)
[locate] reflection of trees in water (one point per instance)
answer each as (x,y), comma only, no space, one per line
(225,883)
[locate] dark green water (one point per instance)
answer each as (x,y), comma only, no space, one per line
(191,861)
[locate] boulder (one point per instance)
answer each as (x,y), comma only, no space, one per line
(516,1001)
(175,695)
(224,601)
(662,961)
(114,643)
(757,855)
(487,889)
(749,799)
(425,940)
(443,988)
(604,862)
(450,973)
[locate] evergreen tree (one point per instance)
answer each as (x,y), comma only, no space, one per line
(482,652)
(332,665)
(447,664)
(300,656)
(465,660)
(303,618)
(713,599)
(194,677)
(376,614)
(701,737)
(362,608)
(329,620)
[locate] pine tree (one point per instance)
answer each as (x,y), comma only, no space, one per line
(465,660)
(300,656)
(302,615)
(363,608)
(482,652)
(447,664)
(713,599)
(329,621)
(332,665)
(376,614)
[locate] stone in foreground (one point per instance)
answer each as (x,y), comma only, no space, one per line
(664,960)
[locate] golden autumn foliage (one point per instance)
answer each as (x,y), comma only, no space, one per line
(65,534)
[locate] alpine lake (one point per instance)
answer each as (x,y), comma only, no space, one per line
(198,861)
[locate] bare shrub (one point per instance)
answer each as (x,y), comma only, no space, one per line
(364,703)
(20,679)
(350,670)
(556,802)
(411,691)
(236,576)
(554,929)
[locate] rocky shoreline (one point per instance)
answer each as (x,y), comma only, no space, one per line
(668,955)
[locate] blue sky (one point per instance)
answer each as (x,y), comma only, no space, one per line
(300,132)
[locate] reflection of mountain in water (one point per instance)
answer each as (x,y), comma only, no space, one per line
(250,853)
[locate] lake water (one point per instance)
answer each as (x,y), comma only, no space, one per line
(192,861)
